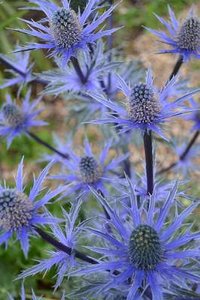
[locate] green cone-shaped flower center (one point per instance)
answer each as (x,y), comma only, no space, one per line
(15,209)
(12,115)
(65,28)
(189,35)
(145,251)
(89,169)
(142,106)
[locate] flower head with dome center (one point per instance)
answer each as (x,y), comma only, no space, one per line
(20,212)
(145,252)
(67,31)
(145,107)
(84,172)
(68,237)
(15,119)
(183,39)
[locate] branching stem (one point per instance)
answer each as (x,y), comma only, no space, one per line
(45,144)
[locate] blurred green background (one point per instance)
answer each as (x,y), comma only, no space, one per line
(132,15)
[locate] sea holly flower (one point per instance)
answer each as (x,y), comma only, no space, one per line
(183,38)
(94,67)
(145,107)
(20,212)
(68,237)
(147,251)
(67,31)
(18,67)
(16,120)
(84,172)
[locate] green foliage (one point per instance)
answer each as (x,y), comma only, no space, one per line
(134,14)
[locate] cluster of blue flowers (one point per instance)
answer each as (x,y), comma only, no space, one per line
(137,240)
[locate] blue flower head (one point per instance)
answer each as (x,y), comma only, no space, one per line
(146,107)
(15,119)
(68,237)
(183,38)
(67,31)
(84,172)
(94,67)
(147,251)
(19,68)
(19,212)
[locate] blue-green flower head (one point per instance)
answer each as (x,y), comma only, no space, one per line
(142,105)
(188,37)
(66,28)
(145,107)
(89,169)
(183,38)
(67,31)
(145,248)
(16,210)
(16,120)
(146,251)
(20,212)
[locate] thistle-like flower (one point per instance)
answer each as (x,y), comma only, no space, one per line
(67,237)
(20,212)
(94,68)
(15,120)
(147,251)
(18,67)
(86,171)
(146,107)
(183,38)
(67,31)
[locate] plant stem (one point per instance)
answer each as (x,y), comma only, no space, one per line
(149,161)
(183,155)
(63,247)
(45,144)
(110,44)
(176,67)
(60,246)
(78,70)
